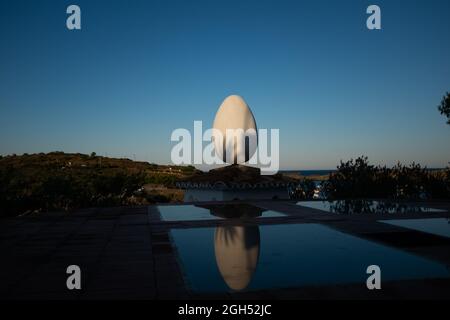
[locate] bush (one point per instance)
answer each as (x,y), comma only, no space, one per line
(304,190)
(444,106)
(358,179)
(163,179)
(48,184)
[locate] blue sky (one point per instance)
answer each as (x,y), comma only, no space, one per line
(139,69)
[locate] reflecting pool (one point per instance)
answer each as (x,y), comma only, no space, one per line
(235,258)
(366,206)
(213,212)
(436,226)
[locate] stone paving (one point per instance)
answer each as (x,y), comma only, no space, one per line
(126,253)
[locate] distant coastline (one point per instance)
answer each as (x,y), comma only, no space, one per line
(307,173)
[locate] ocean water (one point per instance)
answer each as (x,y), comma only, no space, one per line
(308,172)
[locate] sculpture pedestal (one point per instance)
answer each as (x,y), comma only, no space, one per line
(235,182)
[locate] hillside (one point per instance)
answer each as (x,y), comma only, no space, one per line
(63,181)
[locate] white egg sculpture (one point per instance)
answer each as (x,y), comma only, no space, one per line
(234,113)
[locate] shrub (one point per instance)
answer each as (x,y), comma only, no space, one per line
(304,190)
(358,179)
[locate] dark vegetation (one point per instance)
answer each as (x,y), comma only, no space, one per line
(304,190)
(359,179)
(352,206)
(444,107)
(61,181)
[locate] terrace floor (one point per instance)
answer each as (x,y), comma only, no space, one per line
(128,253)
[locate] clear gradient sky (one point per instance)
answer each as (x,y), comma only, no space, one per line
(139,69)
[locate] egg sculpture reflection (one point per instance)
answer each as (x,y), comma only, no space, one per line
(239,147)
(237,253)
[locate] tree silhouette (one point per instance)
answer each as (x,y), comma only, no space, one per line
(444,107)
